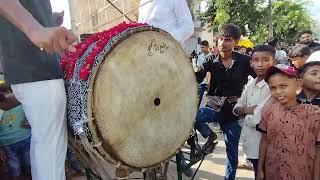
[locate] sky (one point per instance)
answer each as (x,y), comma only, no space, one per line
(62,5)
(315,9)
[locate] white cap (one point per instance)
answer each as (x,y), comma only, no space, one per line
(314,57)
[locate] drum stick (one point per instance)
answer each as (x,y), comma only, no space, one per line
(119,10)
(125,13)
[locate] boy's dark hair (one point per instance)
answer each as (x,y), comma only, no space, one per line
(264,48)
(204,43)
(230,30)
(273,41)
(300,51)
(303,69)
(305,32)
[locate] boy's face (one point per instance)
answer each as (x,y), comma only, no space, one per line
(261,62)
(298,61)
(284,89)
(204,49)
(311,78)
(242,50)
(226,44)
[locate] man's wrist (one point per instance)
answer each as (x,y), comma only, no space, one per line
(32,29)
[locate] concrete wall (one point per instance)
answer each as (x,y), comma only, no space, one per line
(89,16)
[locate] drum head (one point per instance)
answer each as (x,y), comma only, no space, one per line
(145,99)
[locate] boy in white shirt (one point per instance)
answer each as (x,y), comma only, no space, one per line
(253,98)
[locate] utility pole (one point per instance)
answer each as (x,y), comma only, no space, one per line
(270,19)
(72,18)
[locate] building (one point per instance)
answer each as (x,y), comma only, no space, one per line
(90,16)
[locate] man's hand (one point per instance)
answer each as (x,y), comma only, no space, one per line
(250,110)
(260,175)
(312,109)
(233,99)
(25,125)
(54,39)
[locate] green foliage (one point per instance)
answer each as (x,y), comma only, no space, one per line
(289,17)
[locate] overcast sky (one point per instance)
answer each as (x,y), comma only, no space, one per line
(62,5)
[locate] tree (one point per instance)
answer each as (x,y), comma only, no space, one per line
(289,17)
(244,13)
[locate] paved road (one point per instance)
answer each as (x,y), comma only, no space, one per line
(212,167)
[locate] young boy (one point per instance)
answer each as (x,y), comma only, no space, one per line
(15,134)
(252,100)
(203,77)
(310,76)
(299,55)
(229,73)
(290,144)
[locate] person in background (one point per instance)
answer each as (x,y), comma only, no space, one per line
(309,73)
(253,98)
(281,56)
(28,46)
(203,78)
(306,38)
(242,50)
(15,135)
(249,51)
(173,16)
(299,55)
(290,144)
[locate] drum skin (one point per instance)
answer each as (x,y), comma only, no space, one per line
(144,99)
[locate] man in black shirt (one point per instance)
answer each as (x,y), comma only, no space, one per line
(229,71)
(307,39)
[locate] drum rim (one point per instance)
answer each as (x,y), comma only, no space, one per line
(94,131)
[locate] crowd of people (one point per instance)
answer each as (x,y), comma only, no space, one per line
(280,136)
(276,112)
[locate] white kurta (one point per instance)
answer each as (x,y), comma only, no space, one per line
(44,104)
(254,94)
(172,16)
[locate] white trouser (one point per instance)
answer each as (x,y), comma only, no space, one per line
(44,103)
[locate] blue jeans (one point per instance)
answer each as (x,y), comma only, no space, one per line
(18,157)
(72,161)
(201,89)
(231,132)
(255,166)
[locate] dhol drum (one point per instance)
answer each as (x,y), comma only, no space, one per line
(132,97)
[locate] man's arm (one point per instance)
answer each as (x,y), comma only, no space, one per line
(243,111)
(55,39)
(14,12)
(316,175)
